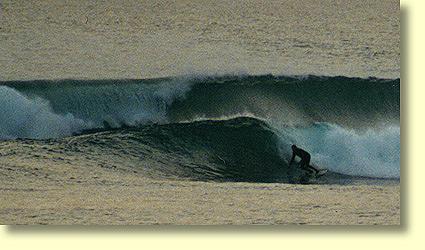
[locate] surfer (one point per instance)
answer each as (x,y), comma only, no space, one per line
(305,158)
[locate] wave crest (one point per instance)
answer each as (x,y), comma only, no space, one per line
(281,100)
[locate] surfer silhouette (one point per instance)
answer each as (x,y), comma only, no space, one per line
(305,158)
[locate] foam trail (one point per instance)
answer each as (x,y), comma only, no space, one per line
(374,152)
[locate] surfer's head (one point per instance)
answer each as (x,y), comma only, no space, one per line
(293,147)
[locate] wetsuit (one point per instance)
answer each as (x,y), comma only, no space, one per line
(305,158)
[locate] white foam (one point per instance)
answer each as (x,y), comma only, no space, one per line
(374,152)
(22,117)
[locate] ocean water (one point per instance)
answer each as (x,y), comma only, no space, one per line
(147,39)
(205,90)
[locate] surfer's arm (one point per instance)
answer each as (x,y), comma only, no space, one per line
(292,159)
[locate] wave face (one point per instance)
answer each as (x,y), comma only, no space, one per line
(236,128)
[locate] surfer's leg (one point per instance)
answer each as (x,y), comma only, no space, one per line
(301,163)
(304,164)
(313,169)
(307,165)
(307,160)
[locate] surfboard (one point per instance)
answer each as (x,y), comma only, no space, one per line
(312,173)
(320,171)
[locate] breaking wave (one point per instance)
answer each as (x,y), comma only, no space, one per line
(224,127)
